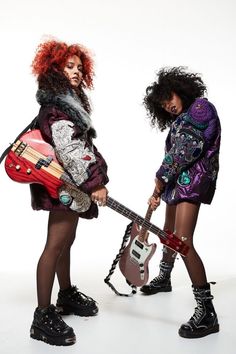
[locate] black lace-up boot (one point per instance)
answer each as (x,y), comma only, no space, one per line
(72,301)
(162,282)
(49,327)
(204,320)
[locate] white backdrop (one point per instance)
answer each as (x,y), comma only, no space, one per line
(130,39)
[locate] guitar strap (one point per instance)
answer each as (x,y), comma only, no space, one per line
(116,260)
(30,126)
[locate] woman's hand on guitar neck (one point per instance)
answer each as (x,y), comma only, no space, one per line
(99,195)
(155,200)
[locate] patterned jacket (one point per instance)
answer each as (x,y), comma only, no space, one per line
(69,130)
(191,163)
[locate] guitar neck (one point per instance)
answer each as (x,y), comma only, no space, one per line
(43,158)
(143,234)
(143,222)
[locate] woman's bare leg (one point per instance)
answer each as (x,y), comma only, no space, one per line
(185,223)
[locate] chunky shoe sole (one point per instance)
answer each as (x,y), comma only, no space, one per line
(38,334)
(152,291)
(83,312)
(198,334)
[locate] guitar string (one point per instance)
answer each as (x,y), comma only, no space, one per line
(140,220)
(54,166)
(123,210)
(143,231)
(110,202)
(150,226)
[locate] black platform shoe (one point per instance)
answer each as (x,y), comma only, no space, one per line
(161,283)
(204,320)
(49,327)
(72,301)
(157,286)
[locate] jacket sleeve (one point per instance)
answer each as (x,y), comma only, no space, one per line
(189,139)
(81,160)
(78,156)
(97,173)
(73,153)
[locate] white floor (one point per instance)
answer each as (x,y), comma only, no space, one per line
(136,325)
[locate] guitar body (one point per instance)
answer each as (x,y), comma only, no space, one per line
(29,161)
(135,258)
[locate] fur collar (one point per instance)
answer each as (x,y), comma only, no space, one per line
(70,105)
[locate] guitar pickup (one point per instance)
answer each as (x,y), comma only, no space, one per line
(139,244)
(136,254)
(43,162)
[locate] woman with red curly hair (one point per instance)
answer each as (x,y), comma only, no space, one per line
(63,73)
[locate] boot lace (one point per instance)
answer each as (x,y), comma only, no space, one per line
(199,312)
(201,297)
(53,320)
(80,297)
(160,277)
(165,270)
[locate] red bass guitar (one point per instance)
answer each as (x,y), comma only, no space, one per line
(32,160)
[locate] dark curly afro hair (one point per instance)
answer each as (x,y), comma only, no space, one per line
(188,86)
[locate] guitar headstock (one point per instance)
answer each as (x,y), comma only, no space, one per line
(173,242)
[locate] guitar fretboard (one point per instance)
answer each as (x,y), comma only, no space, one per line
(123,210)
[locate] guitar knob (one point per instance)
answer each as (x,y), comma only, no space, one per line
(28,171)
(17,167)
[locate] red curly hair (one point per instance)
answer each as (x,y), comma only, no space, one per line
(52,55)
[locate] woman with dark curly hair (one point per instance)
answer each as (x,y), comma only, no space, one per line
(186,178)
(63,73)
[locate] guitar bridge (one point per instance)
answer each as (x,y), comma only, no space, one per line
(20,148)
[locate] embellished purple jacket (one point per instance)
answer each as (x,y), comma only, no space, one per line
(191,162)
(71,133)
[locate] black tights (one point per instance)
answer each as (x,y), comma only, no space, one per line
(55,258)
(181,219)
